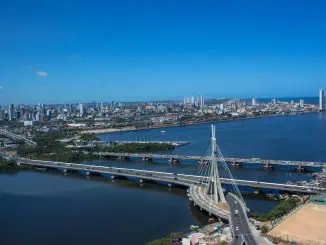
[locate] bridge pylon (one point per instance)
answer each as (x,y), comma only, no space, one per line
(214,187)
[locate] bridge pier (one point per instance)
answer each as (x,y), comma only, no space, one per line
(123,158)
(174,161)
(235,164)
(147,159)
(268,166)
(203,162)
(300,168)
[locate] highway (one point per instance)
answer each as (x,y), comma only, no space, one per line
(17,137)
(239,222)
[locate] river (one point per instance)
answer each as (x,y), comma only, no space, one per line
(50,208)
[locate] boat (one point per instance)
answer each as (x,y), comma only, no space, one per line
(163,131)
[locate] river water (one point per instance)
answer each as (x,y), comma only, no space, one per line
(50,208)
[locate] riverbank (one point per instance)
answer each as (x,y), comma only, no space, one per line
(127,129)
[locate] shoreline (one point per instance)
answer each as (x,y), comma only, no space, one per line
(128,129)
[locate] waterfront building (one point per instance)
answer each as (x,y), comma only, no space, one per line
(254,101)
(321,100)
(274,101)
(302,103)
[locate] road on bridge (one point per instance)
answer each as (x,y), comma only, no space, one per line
(240,224)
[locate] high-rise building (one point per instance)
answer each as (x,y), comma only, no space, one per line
(81,109)
(37,116)
(302,103)
(11,112)
(254,101)
(202,101)
(274,101)
(49,114)
(321,100)
(2,114)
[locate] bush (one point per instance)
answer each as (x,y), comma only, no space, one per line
(280,210)
(166,240)
(264,229)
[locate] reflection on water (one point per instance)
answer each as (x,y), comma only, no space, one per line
(50,208)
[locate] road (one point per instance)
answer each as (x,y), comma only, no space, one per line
(243,235)
(182,179)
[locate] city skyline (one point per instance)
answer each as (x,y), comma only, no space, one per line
(131,51)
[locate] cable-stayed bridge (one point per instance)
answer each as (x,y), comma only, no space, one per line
(204,186)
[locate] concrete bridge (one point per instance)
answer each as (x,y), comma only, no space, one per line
(17,137)
(300,165)
(169,178)
(238,222)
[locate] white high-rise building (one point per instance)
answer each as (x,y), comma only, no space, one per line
(11,111)
(254,101)
(301,103)
(81,109)
(321,100)
(192,100)
(202,101)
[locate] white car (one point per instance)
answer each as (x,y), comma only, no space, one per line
(237,228)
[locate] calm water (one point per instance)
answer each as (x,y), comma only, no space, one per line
(49,208)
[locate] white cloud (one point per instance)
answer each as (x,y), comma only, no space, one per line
(41,73)
(1,87)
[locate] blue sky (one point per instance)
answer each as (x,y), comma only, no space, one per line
(70,51)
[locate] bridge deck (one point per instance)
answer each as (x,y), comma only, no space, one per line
(227,159)
(204,202)
(180,179)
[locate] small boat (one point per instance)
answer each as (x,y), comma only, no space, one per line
(163,131)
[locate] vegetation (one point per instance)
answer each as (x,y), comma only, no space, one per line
(89,137)
(166,240)
(139,147)
(283,208)
(49,148)
(264,229)
(7,165)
